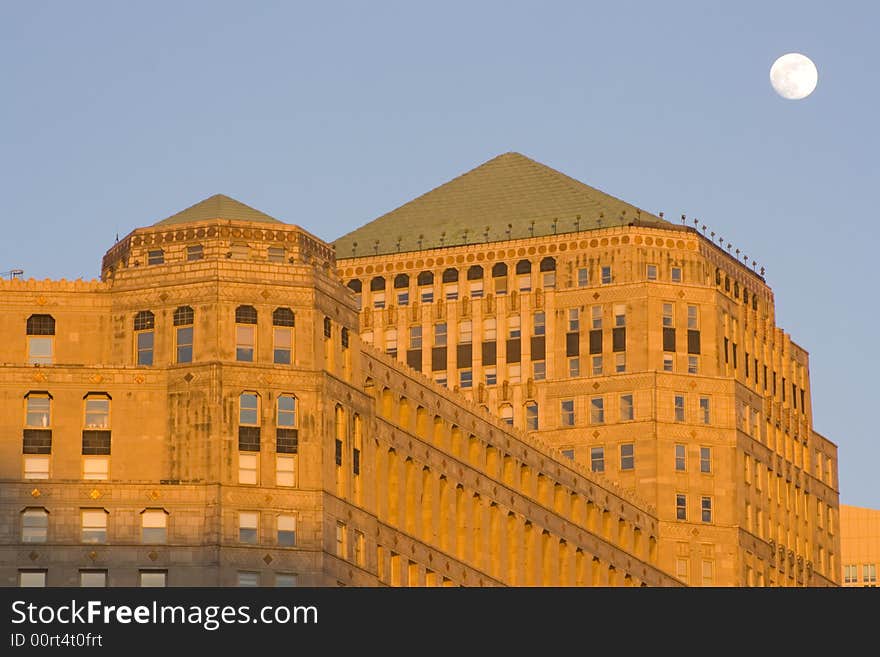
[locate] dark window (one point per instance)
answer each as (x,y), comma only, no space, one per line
(668,339)
(249,439)
(726,351)
(356,461)
(499,269)
(355,285)
(693,341)
(596,341)
(426,278)
(464,355)
(573,343)
(754,302)
(377,284)
(514,348)
(747,364)
(327,327)
(736,289)
(618,338)
(144,321)
(802,399)
(490,353)
(548,264)
(96,443)
(414,358)
(40,325)
(734,355)
(438,359)
(183,316)
(155,257)
(538,347)
(726,284)
(286,441)
(745,296)
(450,276)
(282,317)
(245,315)
(37,441)
(401,281)
(344,337)
(338,452)
(475,273)
(765,377)
(523,267)
(717,277)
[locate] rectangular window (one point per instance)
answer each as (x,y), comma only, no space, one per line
(652,272)
(705,410)
(38,411)
(195,252)
(476,289)
(247,468)
(378,299)
(451,291)
(574,367)
(539,370)
(155,257)
(583,277)
(96,468)
(869,573)
(427,295)
(465,332)
(597,410)
(440,334)
(680,506)
(341,540)
(36,467)
(706,509)
(514,372)
(850,574)
(574,321)
(286,526)
(244,342)
(466,378)
(154,526)
(620,362)
(94,526)
(681,457)
(491,376)
(595,341)
(531,417)
(144,347)
(606,275)
(693,364)
(152,578)
(338,452)
(597,459)
(679,408)
(403,298)
(490,331)
(668,360)
(283,338)
(92,578)
(184,337)
(538,324)
(391,342)
(34,526)
(567,412)
(286,580)
(596,365)
(415,337)
(285,470)
(681,569)
(32,578)
(568,453)
(573,344)
(627,456)
(676,274)
(276,254)
(549,280)
(513,327)
(248,527)
(708,572)
(693,317)
(706,459)
(40,350)
(626,408)
(596,317)
(440,379)
(524,282)
(247,579)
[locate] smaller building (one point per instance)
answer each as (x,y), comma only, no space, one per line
(860,545)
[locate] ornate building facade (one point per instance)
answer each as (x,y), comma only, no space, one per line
(513,380)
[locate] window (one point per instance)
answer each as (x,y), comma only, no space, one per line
(285,470)
(360,550)
(40,339)
(426,289)
(247,579)
(667,362)
(152,578)
(93,578)
(524,275)
(475,281)
(869,573)
(567,406)
(96,468)
(706,459)
(450,284)
(440,379)
(32,578)
(507,414)
(538,323)
(440,334)
(282,329)
(401,287)
(606,275)
(597,365)
(183,322)
(286,411)
(34,525)
(539,370)
(247,468)
(144,325)
(245,333)
(681,569)
(247,526)
(693,364)
(626,408)
(619,315)
(627,456)
(513,327)
(706,509)
(491,376)
(680,506)
(513,372)
(195,252)
(97,411)
(668,315)
(583,277)
(676,274)
(499,278)
(286,525)
(391,342)
(531,416)
(597,410)
(36,467)
(38,415)
(652,272)
(596,317)
(705,411)
(155,257)
(693,318)
(154,526)
(275,254)
(708,572)
(568,453)
(94,525)
(248,420)
(573,320)
(679,408)
(341,540)
(238,251)
(466,378)
(574,367)
(465,332)
(850,574)
(96,436)
(680,458)
(548,272)
(286,580)
(415,337)
(597,459)
(620,362)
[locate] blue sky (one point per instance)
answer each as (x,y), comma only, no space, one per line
(327,115)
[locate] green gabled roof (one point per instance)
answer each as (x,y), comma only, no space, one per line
(218,207)
(508,197)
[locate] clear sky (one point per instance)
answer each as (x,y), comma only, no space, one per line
(114,115)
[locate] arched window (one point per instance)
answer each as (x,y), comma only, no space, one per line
(401,281)
(475,281)
(356,286)
(523,267)
(377,291)
(248,427)
(144,328)
(450,276)
(524,275)
(499,278)
(450,284)
(282,334)
(548,273)
(401,285)
(426,278)
(425,281)
(377,284)
(41,339)
(183,321)
(245,333)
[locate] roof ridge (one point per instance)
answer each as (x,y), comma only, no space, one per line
(215,207)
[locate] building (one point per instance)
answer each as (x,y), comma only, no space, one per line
(860,545)
(572,392)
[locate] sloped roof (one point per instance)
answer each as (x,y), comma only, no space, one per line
(509,197)
(218,206)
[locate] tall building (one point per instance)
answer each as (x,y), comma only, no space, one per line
(514,379)
(639,348)
(860,545)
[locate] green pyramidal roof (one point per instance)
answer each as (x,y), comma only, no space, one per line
(218,207)
(508,197)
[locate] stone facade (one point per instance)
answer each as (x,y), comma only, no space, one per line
(860,545)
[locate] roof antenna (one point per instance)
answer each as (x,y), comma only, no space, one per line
(486,233)
(354,248)
(421,237)
(532,228)
(554,225)
(376,247)
(577,223)
(509,227)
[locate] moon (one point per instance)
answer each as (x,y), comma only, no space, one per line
(794,76)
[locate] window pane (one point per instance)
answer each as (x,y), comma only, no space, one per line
(152,579)
(248,404)
(184,344)
(145,348)
(32,579)
(34,526)
(97,413)
(38,412)
(40,350)
(93,578)
(244,343)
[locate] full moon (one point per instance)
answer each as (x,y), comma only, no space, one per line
(794,76)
